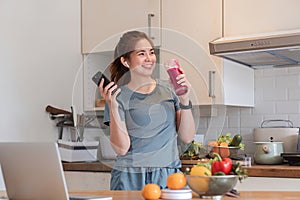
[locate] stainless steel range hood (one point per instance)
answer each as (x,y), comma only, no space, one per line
(276,49)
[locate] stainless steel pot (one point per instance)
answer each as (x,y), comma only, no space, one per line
(278,131)
(268,153)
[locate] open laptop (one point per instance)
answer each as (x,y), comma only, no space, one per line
(33,170)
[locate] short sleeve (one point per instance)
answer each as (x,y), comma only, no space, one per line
(169,88)
(106,117)
(176,102)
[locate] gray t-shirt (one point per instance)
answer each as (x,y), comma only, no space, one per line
(151,125)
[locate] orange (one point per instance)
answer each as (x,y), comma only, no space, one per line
(213,143)
(176,181)
(151,191)
(223,144)
(223,150)
(200,171)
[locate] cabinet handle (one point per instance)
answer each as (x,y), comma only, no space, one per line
(211,92)
(150,15)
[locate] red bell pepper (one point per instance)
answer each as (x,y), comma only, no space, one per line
(221,165)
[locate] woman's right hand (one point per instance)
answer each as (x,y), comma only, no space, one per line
(107,92)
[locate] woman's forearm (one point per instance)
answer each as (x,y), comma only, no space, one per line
(186,124)
(119,137)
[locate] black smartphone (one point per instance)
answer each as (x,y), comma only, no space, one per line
(97,78)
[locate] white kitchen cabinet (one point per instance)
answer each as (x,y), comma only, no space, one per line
(269,184)
(187,27)
(77,180)
(185,36)
(103,22)
(256,16)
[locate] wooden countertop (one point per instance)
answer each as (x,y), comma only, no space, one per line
(136,195)
(86,166)
(249,195)
(282,171)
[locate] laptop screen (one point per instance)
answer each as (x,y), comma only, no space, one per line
(32,170)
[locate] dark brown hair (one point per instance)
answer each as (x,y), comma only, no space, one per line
(127,43)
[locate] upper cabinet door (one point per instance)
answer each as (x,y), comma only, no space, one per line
(187,28)
(256,16)
(104,21)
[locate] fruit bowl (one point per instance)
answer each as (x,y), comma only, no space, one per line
(212,186)
(225,152)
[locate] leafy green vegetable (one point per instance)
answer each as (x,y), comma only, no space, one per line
(229,139)
(237,169)
(225,138)
(195,149)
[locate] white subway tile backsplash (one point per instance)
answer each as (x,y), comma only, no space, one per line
(246,111)
(233,111)
(202,131)
(262,108)
(247,134)
(288,107)
(211,133)
(264,82)
(275,94)
(218,122)
(203,122)
(294,94)
(290,81)
(258,74)
(258,94)
(251,121)
(277,116)
(295,119)
(294,70)
(234,121)
(249,148)
(271,72)
(233,131)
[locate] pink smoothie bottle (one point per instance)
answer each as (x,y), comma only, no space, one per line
(173,69)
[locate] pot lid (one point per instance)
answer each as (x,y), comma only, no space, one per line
(267,142)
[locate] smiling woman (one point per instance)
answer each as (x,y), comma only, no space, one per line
(145,116)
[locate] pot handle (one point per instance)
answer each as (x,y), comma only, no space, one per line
(265,148)
(265,123)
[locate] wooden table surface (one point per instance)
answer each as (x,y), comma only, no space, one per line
(249,195)
(136,195)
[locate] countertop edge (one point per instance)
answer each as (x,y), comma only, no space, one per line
(274,171)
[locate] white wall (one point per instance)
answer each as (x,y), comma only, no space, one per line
(40,64)
(39,61)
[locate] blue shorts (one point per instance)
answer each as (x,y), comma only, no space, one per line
(137,178)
